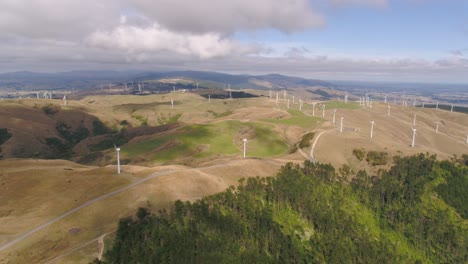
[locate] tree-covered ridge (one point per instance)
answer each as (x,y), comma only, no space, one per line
(311,214)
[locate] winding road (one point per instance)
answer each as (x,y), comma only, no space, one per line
(102,197)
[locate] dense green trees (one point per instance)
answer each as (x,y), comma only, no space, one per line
(412,213)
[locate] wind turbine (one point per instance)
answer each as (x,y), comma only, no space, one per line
(341,125)
(284,94)
(197,86)
(414,120)
(414,137)
(288,103)
(423,105)
(334,113)
(313,109)
(451,109)
(437,127)
(323,111)
(65,100)
(230,93)
(437,105)
(37,95)
(276,99)
(370,103)
(388,110)
(209,98)
(172,103)
(245,144)
(346,99)
(269,93)
(139,87)
(372,129)
(300,104)
(118,158)
(385,99)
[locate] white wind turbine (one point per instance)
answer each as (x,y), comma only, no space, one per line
(313,109)
(334,113)
(269,92)
(437,127)
(277,99)
(323,111)
(414,120)
(385,99)
(37,95)
(437,105)
(245,144)
(388,110)
(172,103)
(288,103)
(341,125)
(372,129)
(209,98)
(65,100)
(423,105)
(117,150)
(414,137)
(300,104)
(451,109)
(293,100)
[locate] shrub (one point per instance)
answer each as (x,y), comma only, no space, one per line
(4,135)
(377,158)
(359,154)
(51,109)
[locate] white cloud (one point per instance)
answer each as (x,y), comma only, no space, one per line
(229,16)
(375,3)
(137,40)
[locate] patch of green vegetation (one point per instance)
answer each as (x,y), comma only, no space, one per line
(99,128)
(51,109)
(359,154)
(376,158)
(341,105)
(169,120)
(144,121)
(218,115)
(4,135)
(59,149)
(305,140)
(297,119)
(212,139)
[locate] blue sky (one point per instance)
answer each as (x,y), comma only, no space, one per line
(376,40)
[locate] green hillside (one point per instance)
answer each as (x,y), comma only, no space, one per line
(312,214)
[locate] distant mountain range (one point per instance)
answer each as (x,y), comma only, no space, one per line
(89,79)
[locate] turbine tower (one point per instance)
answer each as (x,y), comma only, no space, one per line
(414,120)
(288,103)
(65,100)
(209,98)
(437,127)
(388,110)
(313,109)
(172,103)
(245,144)
(323,111)
(414,137)
(276,99)
(385,99)
(118,158)
(451,109)
(334,113)
(372,129)
(437,105)
(341,125)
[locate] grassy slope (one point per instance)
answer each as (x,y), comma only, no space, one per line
(222,138)
(297,119)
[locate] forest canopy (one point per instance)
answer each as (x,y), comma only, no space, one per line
(415,212)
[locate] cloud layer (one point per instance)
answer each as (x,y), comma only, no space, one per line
(191,35)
